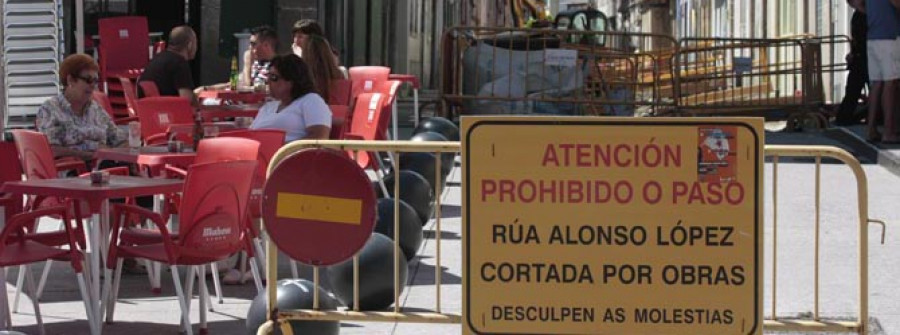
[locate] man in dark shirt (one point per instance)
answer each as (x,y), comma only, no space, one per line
(857,63)
(170,69)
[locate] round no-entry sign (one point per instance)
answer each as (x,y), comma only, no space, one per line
(318,206)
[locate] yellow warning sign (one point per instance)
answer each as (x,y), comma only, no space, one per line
(612,225)
(319,208)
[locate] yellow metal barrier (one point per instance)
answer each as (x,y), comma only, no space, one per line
(396,148)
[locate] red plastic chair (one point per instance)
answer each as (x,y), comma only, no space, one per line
(102,99)
(214,206)
(148,88)
(130,95)
(220,149)
(18,249)
(270,140)
(124,42)
(367,124)
(367,79)
(340,92)
(389,89)
(340,117)
(157,114)
(12,171)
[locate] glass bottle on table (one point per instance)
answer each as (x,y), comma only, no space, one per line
(234,74)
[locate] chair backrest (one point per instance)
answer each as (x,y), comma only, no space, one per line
(130,95)
(213,208)
(158,113)
(35,154)
(389,89)
(148,88)
(124,43)
(270,140)
(339,121)
(366,123)
(339,92)
(103,100)
(222,149)
(11,171)
(367,79)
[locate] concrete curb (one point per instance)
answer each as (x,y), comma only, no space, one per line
(888,159)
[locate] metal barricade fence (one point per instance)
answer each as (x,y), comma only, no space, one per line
(558,72)
(395,150)
(816,323)
(436,315)
(745,76)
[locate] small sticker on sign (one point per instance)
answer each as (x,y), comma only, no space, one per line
(560,57)
(123,33)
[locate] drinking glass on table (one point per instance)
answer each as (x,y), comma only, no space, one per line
(134,134)
(210,131)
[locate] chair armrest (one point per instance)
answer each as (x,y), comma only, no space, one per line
(179,172)
(17,222)
(70,163)
(156,218)
(125,120)
(156,139)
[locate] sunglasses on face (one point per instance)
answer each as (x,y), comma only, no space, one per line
(90,80)
(273,78)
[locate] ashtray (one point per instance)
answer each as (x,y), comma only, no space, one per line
(99,177)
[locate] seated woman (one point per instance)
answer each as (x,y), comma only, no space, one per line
(297,108)
(74,123)
(322,64)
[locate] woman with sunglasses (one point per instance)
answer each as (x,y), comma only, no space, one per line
(296,108)
(74,123)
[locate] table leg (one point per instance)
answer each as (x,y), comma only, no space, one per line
(94,231)
(394,120)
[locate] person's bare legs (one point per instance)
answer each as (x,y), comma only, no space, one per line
(874,108)
(889,107)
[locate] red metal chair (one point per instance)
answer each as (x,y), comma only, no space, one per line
(124,43)
(214,206)
(367,79)
(148,88)
(17,248)
(339,93)
(102,99)
(157,114)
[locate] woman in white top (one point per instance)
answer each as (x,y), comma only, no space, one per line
(297,108)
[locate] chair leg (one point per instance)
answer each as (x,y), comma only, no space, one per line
(89,311)
(260,254)
(154,281)
(256,278)
(20,282)
(4,299)
(204,298)
(185,310)
(40,288)
(216,284)
(111,294)
(37,308)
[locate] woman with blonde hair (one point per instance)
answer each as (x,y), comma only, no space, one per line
(322,64)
